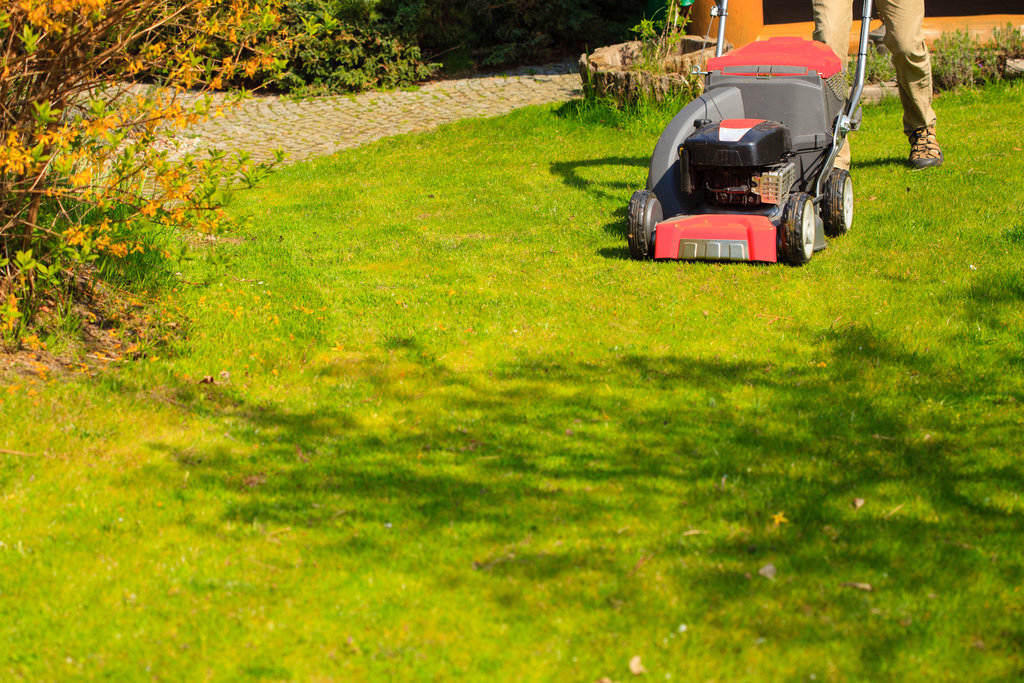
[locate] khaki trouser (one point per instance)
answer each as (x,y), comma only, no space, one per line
(904,37)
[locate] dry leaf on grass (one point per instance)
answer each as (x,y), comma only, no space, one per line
(254,480)
(859,586)
(636,667)
(858,503)
(767,571)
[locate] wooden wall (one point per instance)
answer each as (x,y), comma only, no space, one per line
(751,20)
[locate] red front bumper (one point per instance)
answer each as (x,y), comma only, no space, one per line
(716,237)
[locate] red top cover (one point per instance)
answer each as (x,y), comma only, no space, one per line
(740,124)
(808,54)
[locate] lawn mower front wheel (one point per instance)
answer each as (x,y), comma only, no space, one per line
(799,222)
(837,205)
(644,213)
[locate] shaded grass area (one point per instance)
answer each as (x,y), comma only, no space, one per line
(448,429)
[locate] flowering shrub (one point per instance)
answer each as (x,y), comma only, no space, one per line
(84,157)
(314,46)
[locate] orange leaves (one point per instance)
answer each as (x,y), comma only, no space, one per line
(14,156)
(36,13)
(84,167)
(75,236)
(9,314)
(81,178)
(55,16)
(120,249)
(56,138)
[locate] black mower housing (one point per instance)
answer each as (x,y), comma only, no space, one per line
(762,145)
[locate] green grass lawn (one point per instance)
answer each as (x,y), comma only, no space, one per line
(454,432)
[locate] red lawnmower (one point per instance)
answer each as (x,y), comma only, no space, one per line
(745,171)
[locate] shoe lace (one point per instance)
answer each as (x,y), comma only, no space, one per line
(924,143)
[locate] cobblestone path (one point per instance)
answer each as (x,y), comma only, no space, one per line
(323,125)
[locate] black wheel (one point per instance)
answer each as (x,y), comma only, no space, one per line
(796,234)
(644,213)
(837,203)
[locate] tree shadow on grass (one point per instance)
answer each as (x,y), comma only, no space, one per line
(550,445)
(619,227)
(497,421)
(569,172)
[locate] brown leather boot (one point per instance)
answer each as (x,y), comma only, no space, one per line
(924,148)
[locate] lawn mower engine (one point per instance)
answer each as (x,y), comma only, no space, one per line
(738,163)
(745,171)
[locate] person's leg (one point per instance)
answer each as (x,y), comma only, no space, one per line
(832,22)
(905,39)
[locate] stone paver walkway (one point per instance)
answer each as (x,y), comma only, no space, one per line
(323,125)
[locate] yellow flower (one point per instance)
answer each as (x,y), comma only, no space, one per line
(779,518)
(82,178)
(119,250)
(75,235)
(9,314)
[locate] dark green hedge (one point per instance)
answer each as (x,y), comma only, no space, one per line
(352,45)
(493,32)
(340,46)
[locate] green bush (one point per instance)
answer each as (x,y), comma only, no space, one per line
(318,46)
(351,45)
(960,61)
(510,31)
(336,46)
(957,59)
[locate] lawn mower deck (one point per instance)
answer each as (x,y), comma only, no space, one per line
(745,171)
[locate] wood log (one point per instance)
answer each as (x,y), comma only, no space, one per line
(617,71)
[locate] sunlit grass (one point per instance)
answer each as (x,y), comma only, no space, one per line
(452,431)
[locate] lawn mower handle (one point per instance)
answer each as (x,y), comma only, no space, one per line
(720,9)
(862,61)
(844,122)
